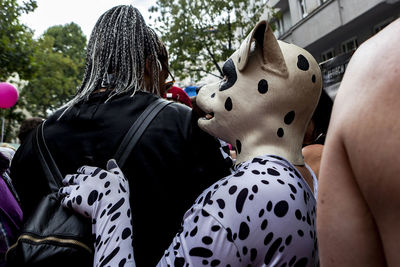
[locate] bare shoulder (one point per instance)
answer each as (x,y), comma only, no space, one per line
(312,156)
(359,170)
(366,114)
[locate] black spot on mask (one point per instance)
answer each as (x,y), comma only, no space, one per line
(229,71)
(228,104)
(302,63)
(289,117)
(262,86)
(238,146)
(280,132)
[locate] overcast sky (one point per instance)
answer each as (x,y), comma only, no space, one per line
(83,12)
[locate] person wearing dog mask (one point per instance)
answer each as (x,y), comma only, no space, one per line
(263,214)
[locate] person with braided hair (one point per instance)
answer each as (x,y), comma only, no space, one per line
(174,161)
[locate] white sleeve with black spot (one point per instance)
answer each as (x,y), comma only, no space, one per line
(103,196)
(203,241)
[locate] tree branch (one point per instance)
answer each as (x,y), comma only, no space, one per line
(214,61)
(203,70)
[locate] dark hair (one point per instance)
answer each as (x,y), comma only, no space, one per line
(4,163)
(27,126)
(120,45)
(321,118)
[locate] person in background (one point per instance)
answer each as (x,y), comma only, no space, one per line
(317,129)
(178,95)
(173,162)
(7,150)
(27,126)
(359,192)
(10,211)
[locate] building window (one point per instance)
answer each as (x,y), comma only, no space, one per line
(303,8)
(350,45)
(280,26)
(328,54)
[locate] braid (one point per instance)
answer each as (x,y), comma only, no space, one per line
(119,45)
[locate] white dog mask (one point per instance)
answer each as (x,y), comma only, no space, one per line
(266,100)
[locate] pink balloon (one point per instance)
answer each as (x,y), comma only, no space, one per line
(8,95)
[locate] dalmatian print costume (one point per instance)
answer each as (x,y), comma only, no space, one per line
(261,215)
(104,197)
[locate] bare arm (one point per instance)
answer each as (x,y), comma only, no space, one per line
(359,190)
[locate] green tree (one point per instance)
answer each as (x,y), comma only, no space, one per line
(60,60)
(16,55)
(70,41)
(200,34)
(16,43)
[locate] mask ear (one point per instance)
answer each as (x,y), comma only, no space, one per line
(273,60)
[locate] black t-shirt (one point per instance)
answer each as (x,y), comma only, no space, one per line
(173,162)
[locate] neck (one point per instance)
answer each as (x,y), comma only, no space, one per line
(253,147)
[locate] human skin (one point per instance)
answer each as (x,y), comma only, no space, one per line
(359,190)
(312,156)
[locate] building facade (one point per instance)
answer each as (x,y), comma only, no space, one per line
(331,30)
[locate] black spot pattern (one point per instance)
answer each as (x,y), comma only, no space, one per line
(302,63)
(221,203)
(115,216)
(244,231)
(126,233)
(289,117)
(92,197)
(116,206)
(253,254)
(280,132)
(238,146)
(233,189)
(262,86)
(238,174)
(229,71)
(193,232)
(273,172)
(207,240)
(268,238)
(201,252)
(215,262)
(264,224)
(273,214)
(281,208)
(108,258)
(293,188)
(269,206)
(240,200)
(228,104)
(272,250)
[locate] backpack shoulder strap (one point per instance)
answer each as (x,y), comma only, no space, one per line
(49,166)
(137,129)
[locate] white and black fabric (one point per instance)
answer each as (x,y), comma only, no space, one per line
(104,196)
(261,215)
